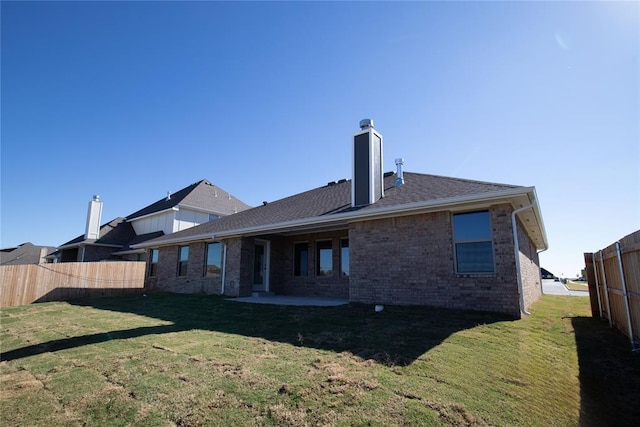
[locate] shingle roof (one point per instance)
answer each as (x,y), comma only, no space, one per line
(202,194)
(336,198)
(26,253)
(114,232)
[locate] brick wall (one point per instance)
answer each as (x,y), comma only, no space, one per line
(334,285)
(529,268)
(195,281)
(403,260)
(409,260)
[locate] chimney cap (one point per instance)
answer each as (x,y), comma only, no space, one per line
(96,197)
(366,123)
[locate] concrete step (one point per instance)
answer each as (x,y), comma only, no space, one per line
(262,294)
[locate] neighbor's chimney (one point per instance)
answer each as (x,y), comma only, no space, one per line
(367,185)
(93,218)
(399,175)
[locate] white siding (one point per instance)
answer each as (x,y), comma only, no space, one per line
(161,222)
(186,218)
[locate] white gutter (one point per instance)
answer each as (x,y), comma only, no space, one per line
(516,249)
(224,267)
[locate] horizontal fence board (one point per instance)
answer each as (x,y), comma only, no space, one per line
(25,284)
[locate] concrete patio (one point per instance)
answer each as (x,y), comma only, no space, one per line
(293,300)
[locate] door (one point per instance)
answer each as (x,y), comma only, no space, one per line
(261,266)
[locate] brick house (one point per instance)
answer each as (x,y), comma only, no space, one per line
(193,205)
(378,238)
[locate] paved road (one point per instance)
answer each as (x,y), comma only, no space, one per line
(550,287)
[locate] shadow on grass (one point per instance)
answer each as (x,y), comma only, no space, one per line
(609,375)
(395,336)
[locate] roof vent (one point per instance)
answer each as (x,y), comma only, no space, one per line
(366,123)
(400,176)
(168,196)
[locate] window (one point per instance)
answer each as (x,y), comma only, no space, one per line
(182,260)
(153,263)
(214,259)
(212,217)
(324,258)
(344,257)
(472,242)
(301,259)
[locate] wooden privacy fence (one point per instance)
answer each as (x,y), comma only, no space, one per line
(613,274)
(24,284)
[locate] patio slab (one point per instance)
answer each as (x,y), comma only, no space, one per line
(293,300)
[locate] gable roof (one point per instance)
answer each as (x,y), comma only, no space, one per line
(202,195)
(330,205)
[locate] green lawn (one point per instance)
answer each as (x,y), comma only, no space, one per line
(577,286)
(183,360)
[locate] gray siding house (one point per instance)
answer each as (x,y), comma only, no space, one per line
(378,238)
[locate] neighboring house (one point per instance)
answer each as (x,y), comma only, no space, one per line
(392,238)
(546,274)
(196,204)
(26,253)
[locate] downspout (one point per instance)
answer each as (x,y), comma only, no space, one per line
(224,267)
(516,249)
(538,253)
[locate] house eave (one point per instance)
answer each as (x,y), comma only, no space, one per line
(454,203)
(87,243)
(129,252)
(174,208)
(516,197)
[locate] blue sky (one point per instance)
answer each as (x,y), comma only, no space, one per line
(130,100)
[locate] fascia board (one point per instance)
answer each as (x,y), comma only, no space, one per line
(538,214)
(174,208)
(169,242)
(85,243)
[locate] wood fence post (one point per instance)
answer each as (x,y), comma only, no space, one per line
(606,289)
(626,296)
